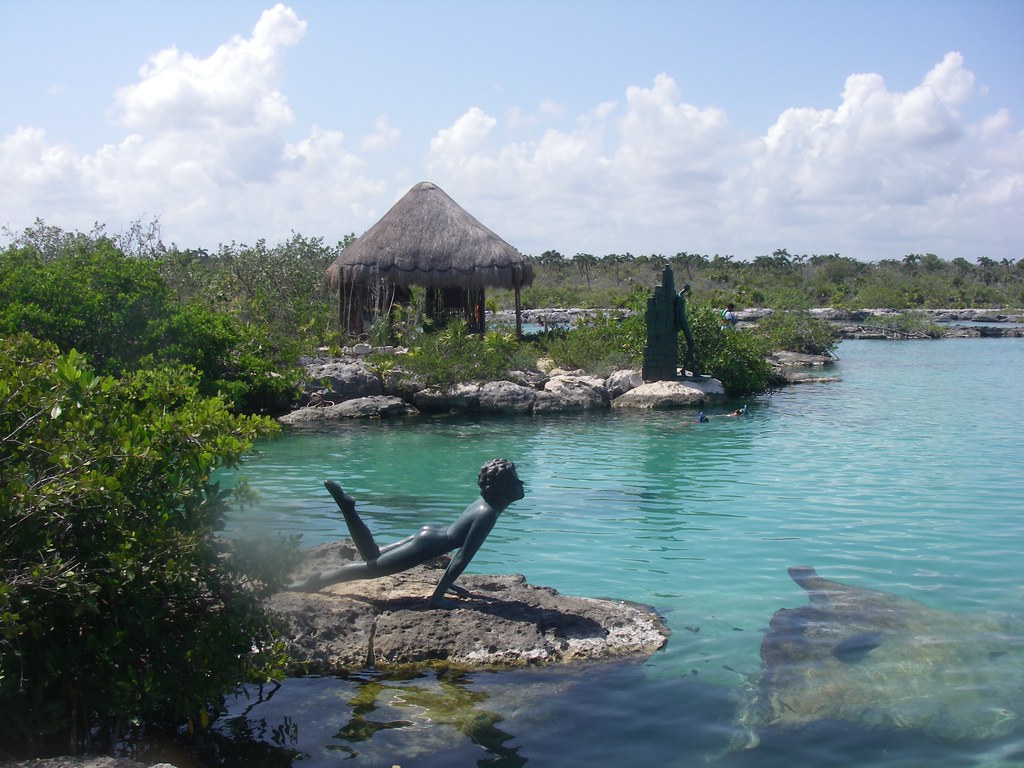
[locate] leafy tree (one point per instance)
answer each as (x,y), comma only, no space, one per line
(117,603)
(796,330)
(600,346)
(455,354)
(232,359)
(585,263)
(118,311)
(734,357)
(88,297)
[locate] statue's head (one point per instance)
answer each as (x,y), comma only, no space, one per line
(499,483)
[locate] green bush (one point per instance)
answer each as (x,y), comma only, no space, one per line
(118,605)
(605,344)
(118,312)
(796,330)
(234,361)
(734,357)
(195,336)
(908,322)
(599,346)
(89,297)
(452,355)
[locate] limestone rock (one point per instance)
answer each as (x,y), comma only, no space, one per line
(399,383)
(565,393)
(339,380)
(506,397)
(799,359)
(620,382)
(661,395)
(502,622)
(458,397)
(82,761)
(380,406)
(983,332)
(791,368)
(802,377)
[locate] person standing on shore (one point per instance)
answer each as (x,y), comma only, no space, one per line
(729,315)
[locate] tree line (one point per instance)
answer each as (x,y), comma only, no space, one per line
(782,280)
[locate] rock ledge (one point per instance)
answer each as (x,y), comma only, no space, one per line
(502,622)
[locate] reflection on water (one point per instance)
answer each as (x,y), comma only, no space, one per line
(903,477)
(444,699)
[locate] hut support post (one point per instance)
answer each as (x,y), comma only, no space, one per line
(477,311)
(519,315)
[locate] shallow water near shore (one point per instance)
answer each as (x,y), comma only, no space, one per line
(904,477)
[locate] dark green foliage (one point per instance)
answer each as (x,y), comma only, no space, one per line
(84,294)
(89,297)
(796,330)
(454,355)
(908,322)
(117,603)
(605,344)
(233,360)
(734,357)
(279,288)
(599,346)
(198,337)
(778,279)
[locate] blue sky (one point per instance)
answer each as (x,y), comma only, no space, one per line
(871,129)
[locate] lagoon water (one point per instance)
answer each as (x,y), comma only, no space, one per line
(905,476)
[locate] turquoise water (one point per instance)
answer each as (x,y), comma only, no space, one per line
(905,476)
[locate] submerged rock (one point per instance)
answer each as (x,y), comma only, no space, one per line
(877,660)
(502,622)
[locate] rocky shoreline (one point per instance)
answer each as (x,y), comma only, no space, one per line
(496,621)
(82,761)
(347,388)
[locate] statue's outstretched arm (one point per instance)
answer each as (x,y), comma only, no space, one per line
(474,539)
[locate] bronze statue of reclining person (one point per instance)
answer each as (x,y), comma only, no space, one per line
(499,487)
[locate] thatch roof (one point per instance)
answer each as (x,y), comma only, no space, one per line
(429,239)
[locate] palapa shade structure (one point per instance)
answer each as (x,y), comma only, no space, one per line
(426,239)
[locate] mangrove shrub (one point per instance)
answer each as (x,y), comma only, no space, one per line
(118,605)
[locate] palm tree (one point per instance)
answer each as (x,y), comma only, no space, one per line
(584,262)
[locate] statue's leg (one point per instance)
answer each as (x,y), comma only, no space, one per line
(317,580)
(361,536)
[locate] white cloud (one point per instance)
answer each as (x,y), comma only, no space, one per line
(211,146)
(640,167)
(234,88)
(465,136)
(661,134)
(384,136)
(206,154)
(882,172)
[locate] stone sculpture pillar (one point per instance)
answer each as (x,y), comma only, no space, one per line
(666,316)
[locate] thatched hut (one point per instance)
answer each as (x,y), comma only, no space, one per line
(426,239)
